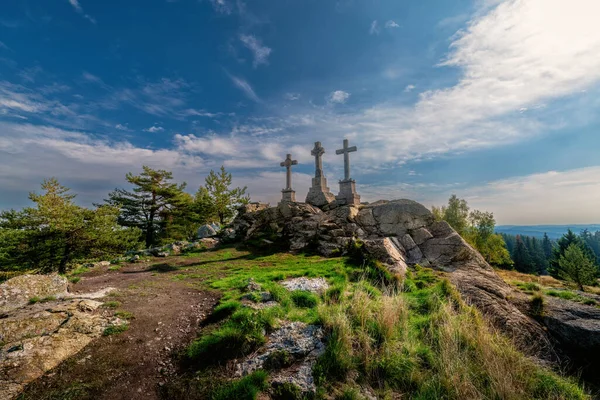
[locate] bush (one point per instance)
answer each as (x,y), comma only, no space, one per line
(304,299)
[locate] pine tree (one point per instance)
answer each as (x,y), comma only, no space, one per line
(224,200)
(521,257)
(547,247)
(576,266)
(56,231)
(152,200)
(561,247)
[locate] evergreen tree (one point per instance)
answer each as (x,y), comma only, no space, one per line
(152,200)
(547,248)
(575,266)
(561,247)
(224,200)
(56,231)
(521,257)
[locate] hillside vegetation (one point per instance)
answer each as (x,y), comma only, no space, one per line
(413,337)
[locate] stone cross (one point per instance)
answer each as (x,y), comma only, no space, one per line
(346,152)
(288,165)
(318,152)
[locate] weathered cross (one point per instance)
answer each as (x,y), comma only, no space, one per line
(288,164)
(318,152)
(346,152)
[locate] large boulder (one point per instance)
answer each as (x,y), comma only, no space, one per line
(206,231)
(17,292)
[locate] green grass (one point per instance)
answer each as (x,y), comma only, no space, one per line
(411,338)
(37,299)
(112,304)
(246,388)
(568,295)
(74,279)
(124,315)
(527,287)
(114,267)
(115,329)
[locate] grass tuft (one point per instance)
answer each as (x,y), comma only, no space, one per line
(115,329)
(304,299)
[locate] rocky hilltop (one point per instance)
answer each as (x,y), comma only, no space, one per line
(402,233)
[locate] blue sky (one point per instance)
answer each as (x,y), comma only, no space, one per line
(496,101)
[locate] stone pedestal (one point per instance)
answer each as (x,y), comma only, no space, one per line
(348,195)
(319,194)
(288,195)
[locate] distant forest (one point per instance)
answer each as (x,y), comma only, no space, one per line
(534,255)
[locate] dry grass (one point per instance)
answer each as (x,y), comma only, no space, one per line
(545,281)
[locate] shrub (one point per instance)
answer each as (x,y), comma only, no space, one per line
(304,299)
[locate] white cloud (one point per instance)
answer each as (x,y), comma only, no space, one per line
(79,9)
(553,197)
(391,25)
(260,53)
(338,96)
(154,129)
(374,29)
(122,127)
(210,145)
(409,88)
(245,87)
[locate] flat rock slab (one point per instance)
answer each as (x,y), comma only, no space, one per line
(314,285)
(38,337)
(16,292)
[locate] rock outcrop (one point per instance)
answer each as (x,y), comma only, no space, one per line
(401,233)
(35,338)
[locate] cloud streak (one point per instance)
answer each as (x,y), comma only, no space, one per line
(245,87)
(260,53)
(79,10)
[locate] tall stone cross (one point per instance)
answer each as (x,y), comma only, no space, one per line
(319,194)
(288,165)
(318,152)
(346,152)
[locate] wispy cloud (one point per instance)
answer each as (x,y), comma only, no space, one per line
(30,74)
(338,96)
(222,6)
(245,88)
(409,88)
(374,28)
(260,53)
(3,46)
(391,25)
(291,96)
(79,10)
(122,127)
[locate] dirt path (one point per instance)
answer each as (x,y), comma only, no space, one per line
(133,364)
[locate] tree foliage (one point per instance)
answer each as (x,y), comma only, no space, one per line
(575,266)
(477,228)
(56,231)
(149,205)
(223,199)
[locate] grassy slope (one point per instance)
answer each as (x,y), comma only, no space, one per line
(414,338)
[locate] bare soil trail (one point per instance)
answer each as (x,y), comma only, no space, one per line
(165,313)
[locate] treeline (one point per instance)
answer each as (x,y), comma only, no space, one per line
(572,257)
(575,258)
(55,232)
